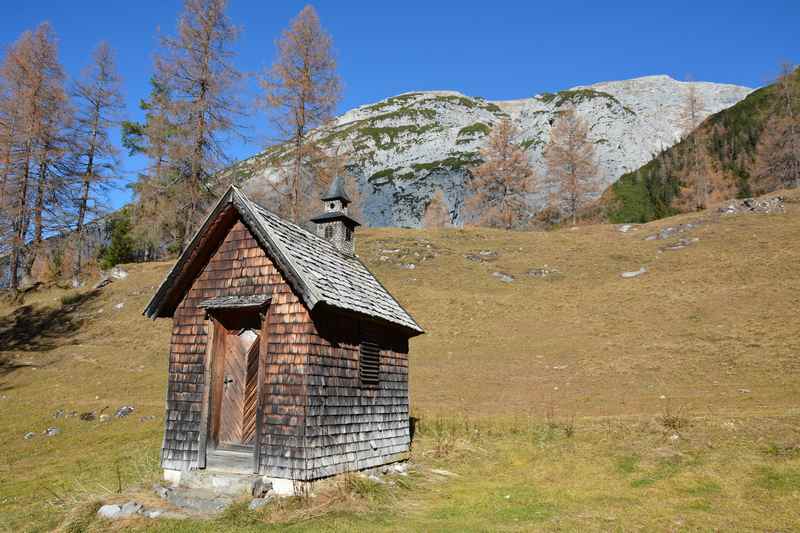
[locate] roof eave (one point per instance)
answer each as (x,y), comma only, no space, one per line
(154,307)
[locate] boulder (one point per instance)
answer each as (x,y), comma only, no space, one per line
(131,508)
(634,273)
(123,411)
(52,432)
(29,435)
(261,488)
(118,272)
(109,511)
(162,491)
(502,276)
(258,503)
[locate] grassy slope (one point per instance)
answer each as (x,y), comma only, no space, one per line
(586,349)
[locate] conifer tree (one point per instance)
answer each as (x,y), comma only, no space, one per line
(195,69)
(34,112)
(436,213)
(778,150)
(301,91)
(571,164)
(98,98)
(500,185)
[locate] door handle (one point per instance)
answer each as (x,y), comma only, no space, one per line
(227,380)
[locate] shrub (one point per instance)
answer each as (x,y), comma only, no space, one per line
(122,248)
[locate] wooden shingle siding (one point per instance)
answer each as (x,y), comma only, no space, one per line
(317,418)
(350,427)
(239,267)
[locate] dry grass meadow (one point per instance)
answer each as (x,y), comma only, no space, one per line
(575,401)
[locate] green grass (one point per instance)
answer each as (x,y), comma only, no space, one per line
(779,479)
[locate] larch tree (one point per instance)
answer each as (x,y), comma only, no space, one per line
(571,164)
(696,189)
(778,150)
(498,191)
(301,91)
(197,72)
(99,102)
(9,124)
(34,83)
(436,214)
(692,110)
(54,173)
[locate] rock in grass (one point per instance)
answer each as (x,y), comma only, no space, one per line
(502,276)
(261,488)
(162,491)
(109,511)
(118,272)
(29,435)
(634,273)
(52,432)
(88,416)
(131,508)
(123,411)
(258,503)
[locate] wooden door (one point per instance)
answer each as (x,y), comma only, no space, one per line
(239,388)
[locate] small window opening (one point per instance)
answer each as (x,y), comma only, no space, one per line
(333,205)
(329,232)
(348,234)
(369,364)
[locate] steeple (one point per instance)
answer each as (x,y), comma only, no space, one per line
(334,224)
(336,191)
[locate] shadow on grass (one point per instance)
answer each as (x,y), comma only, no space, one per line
(28,329)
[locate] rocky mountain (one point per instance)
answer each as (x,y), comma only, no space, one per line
(405,148)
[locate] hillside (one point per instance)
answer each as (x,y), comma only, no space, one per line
(663,393)
(724,149)
(407,147)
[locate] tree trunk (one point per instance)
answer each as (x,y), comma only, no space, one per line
(83,207)
(20,223)
(38,219)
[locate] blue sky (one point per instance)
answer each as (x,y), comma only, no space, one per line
(497,50)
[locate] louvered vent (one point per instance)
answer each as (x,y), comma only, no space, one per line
(369,364)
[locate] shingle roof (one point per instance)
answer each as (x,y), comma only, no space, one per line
(312,265)
(335,215)
(336,190)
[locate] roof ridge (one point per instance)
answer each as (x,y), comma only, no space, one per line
(311,265)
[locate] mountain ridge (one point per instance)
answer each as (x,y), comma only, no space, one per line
(406,147)
(723,149)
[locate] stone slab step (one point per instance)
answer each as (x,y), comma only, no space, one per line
(201,501)
(226,483)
